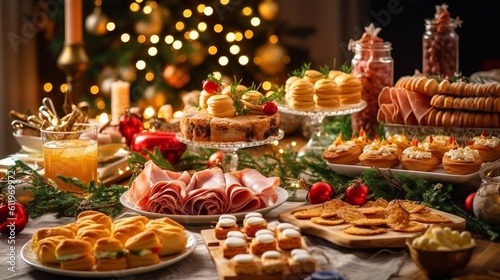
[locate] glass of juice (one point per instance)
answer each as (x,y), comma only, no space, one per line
(71,154)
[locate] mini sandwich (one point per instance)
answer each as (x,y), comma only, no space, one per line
(75,254)
(143,249)
(109,254)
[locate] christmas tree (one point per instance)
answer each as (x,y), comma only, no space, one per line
(167,47)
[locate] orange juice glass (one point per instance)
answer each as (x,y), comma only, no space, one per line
(71,154)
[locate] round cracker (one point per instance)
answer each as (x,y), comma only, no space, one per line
(356,230)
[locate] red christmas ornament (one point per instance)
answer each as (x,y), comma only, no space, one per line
(170,148)
(468,202)
(215,159)
(356,193)
(130,124)
(320,192)
(13,217)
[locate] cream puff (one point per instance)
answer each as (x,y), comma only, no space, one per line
(400,140)
(487,146)
(380,154)
(462,161)
(439,144)
(342,152)
(418,159)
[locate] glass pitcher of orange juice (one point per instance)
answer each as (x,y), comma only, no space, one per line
(70,154)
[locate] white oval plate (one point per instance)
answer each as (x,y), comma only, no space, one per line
(200,219)
(438,175)
(31,259)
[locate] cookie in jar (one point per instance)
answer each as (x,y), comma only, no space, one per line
(440,44)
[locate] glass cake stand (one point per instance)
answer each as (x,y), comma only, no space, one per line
(229,149)
(316,117)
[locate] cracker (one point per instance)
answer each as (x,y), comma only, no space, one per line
(330,207)
(412,206)
(369,222)
(327,222)
(411,227)
(379,202)
(357,230)
(372,210)
(426,217)
(350,214)
(308,213)
(395,215)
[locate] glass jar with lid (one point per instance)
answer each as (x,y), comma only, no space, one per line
(440,52)
(486,203)
(373,65)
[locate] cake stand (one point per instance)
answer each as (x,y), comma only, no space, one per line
(229,149)
(316,117)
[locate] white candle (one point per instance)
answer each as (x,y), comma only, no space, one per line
(73,22)
(120,100)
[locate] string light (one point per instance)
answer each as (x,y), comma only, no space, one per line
(149,112)
(212,50)
(125,37)
(255,21)
(100,104)
(234,49)
(273,39)
(266,85)
(102,118)
(140,64)
(177,44)
(243,60)
(218,28)
(149,76)
(110,26)
(134,7)
(238,36)
(223,60)
(147,9)
(248,34)
(169,39)
(64,88)
(47,87)
(141,39)
(200,8)
(187,13)
(247,11)
(208,11)
(152,51)
(193,35)
(154,39)
(230,37)
(202,26)
(94,89)
(224,2)
(179,26)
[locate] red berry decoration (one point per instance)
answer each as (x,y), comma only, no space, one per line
(215,159)
(356,193)
(320,192)
(130,124)
(211,86)
(468,202)
(270,108)
(13,217)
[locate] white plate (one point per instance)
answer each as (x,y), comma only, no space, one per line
(200,219)
(31,259)
(438,175)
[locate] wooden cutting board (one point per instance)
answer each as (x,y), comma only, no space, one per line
(225,268)
(335,234)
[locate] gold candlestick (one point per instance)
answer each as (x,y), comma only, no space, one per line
(73,61)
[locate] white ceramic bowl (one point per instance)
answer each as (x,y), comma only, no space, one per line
(30,144)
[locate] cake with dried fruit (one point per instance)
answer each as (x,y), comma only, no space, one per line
(242,116)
